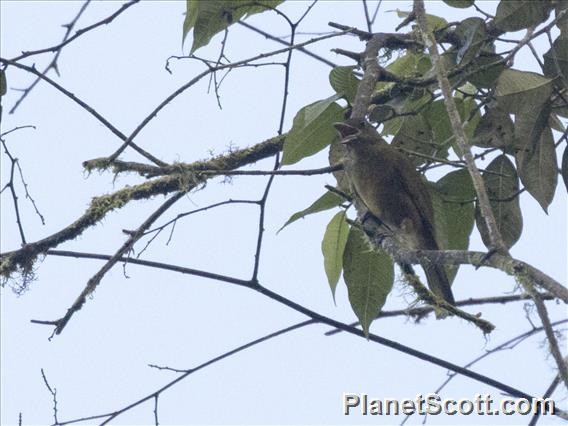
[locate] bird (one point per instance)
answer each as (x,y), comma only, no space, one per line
(392,190)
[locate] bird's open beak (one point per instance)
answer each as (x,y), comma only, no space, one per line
(347,132)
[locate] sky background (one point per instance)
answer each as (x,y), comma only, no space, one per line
(100,362)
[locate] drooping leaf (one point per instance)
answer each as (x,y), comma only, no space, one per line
(369,276)
(208,18)
(458,194)
(529,126)
(502,185)
(564,169)
(471,33)
(454,202)
(437,117)
(438,120)
(332,248)
(527,95)
(556,59)
(538,169)
(495,129)
(327,201)
(462,4)
(405,104)
(416,135)
(514,15)
(344,82)
(519,91)
(489,67)
(312,130)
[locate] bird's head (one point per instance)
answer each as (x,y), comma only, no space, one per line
(348,133)
(357,136)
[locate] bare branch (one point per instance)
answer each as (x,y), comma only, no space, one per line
(125,248)
(79,33)
(53,63)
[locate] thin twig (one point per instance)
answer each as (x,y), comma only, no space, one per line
(86,107)
(125,248)
(79,33)
(547,394)
(198,77)
(111,416)
(53,63)
(550,336)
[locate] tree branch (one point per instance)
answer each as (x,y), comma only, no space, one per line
(125,248)
(421,312)
(185,179)
(513,267)
(459,133)
(314,316)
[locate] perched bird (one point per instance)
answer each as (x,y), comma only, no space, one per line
(387,183)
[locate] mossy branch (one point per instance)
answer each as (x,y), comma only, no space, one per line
(179,177)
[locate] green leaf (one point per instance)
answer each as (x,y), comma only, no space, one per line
(327,201)
(3,84)
(514,15)
(502,187)
(529,126)
(471,33)
(456,192)
(467,108)
(521,91)
(462,4)
(332,247)
(564,169)
(416,135)
(437,117)
(449,60)
(538,169)
(490,68)
(344,82)
(312,130)
(410,64)
(369,276)
(208,18)
(434,22)
(495,129)
(556,59)
(406,103)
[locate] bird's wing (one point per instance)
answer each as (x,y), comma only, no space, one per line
(411,182)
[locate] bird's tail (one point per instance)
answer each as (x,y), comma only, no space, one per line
(439,283)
